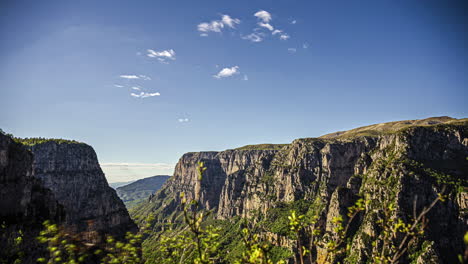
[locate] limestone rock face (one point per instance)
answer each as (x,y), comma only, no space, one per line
(336,171)
(72,172)
(24,203)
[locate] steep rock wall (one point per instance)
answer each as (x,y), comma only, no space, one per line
(72,172)
(25,203)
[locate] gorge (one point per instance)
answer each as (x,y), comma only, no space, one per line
(402,165)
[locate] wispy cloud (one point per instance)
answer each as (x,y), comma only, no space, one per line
(284,36)
(267,26)
(129,77)
(293,22)
(276,31)
(217,25)
(183,120)
(144,77)
(118,85)
(136,88)
(144,94)
(292,50)
(246,78)
(135,77)
(305,45)
(230,22)
(263,15)
(254,37)
(264,19)
(227,72)
(162,56)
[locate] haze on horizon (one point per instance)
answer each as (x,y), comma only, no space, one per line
(145,81)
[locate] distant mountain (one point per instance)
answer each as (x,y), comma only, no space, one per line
(116,185)
(135,192)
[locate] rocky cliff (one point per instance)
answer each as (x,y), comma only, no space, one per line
(407,164)
(54,180)
(24,204)
(72,172)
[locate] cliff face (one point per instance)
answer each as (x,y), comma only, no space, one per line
(24,204)
(408,166)
(72,172)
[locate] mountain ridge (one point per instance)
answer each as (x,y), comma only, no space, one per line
(139,190)
(328,174)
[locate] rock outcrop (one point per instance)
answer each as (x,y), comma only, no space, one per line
(54,180)
(72,172)
(406,165)
(24,204)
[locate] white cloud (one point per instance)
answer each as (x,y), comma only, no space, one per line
(144,95)
(227,72)
(292,50)
(246,78)
(136,88)
(266,25)
(263,15)
(144,77)
(217,25)
(305,45)
(230,22)
(254,37)
(276,31)
(293,22)
(162,56)
(183,120)
(118,85)
(129,77)
(214,26)
(135,77)
(264,22)
(284,36)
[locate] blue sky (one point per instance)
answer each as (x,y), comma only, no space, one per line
(69,69)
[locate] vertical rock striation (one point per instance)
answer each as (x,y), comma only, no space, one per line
(24,204)
(402,166)
(72,172)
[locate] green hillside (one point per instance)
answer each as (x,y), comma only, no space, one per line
(139,190)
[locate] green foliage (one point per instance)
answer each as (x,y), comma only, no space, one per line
(63,247)
(277,220)
(40,140)
(195,236)
(455,183)
(12,248)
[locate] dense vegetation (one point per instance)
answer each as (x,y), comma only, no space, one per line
(196,237)
(39,140)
